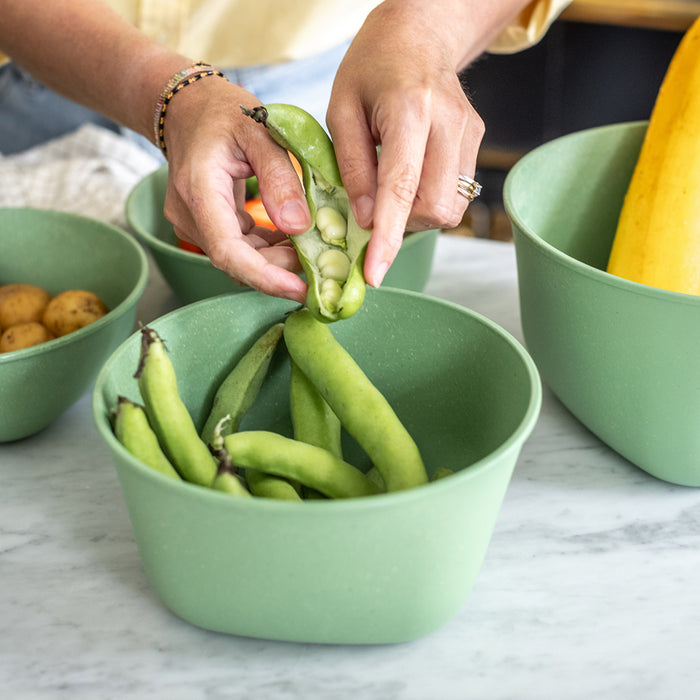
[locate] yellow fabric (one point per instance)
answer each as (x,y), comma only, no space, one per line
(270,31)
(237,33)
(529,27)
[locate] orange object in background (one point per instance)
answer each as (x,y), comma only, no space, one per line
(191,247)
(257,210)
(255,207)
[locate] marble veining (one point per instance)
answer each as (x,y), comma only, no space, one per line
(589,588)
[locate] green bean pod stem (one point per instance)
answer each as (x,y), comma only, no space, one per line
(309,465)
(133,430)
(333,295)
(227,479)
(168,414)
(313,420)
(269,486)
(362,409)
(299,132)
(241,386)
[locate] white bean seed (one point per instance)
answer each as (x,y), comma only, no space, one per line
(333,264)
(331,224)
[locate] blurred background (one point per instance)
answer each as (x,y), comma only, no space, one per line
(601,62)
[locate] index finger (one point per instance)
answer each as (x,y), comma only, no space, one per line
(226,247)
(398,176)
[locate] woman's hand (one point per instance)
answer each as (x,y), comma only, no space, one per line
(398,87)
(212,148)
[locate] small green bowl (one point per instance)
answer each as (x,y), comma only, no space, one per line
(622,357)
(380,569)
(192,277)
(60,251)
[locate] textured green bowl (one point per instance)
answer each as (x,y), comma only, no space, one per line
(387,568)
(623,357)
(59,251)
(192,277)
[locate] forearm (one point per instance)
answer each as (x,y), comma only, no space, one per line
(464,28)
(86,52)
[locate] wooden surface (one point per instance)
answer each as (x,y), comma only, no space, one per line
(669,15)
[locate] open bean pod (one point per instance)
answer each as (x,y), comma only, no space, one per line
(332,250)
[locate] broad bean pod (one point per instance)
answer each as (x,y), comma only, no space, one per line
(241,386)
(227,479)
(442,473)
(268,486)
(313,420)
(168,415)
(133,430)
(229,482)
(309,465)
(362,409)
(332,250)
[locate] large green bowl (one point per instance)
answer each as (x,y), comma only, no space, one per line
(622,356)
(192,277)
(60,251)
(385,568)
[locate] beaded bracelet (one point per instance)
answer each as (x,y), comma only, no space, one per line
(186,77)
(168,87)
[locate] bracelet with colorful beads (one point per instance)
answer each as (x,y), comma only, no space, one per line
(168,87)
(180,80)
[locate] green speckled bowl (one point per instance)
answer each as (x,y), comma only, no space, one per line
(622,356)
(59,251)
(386,568)
(192,277)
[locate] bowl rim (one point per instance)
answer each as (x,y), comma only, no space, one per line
(151,240)
(165,248)
(94,327)
(514,441)
(581,268)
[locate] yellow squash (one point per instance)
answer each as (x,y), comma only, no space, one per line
(657,241)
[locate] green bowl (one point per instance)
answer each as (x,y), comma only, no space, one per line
(380,569)
(192,277)
(59,251)
(622,357)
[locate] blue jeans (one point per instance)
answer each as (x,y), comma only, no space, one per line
(31,114)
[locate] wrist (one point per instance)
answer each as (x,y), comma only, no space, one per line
(200,114)
(179,81)
(463,29)
(441,24)
(145,83)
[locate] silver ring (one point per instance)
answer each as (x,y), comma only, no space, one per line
(468,187)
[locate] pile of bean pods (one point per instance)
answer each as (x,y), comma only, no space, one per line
(328,392)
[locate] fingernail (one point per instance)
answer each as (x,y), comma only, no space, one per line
(365,210)
(294,215)
(295,296)
(379,274)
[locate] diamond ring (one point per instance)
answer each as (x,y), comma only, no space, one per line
(468,187)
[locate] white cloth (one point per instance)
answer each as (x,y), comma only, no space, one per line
(89,171)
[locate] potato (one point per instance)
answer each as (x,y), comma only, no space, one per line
(7,289)
(73,309)
(22,303)
(24,335)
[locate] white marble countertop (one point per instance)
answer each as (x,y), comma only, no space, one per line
(590,588)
